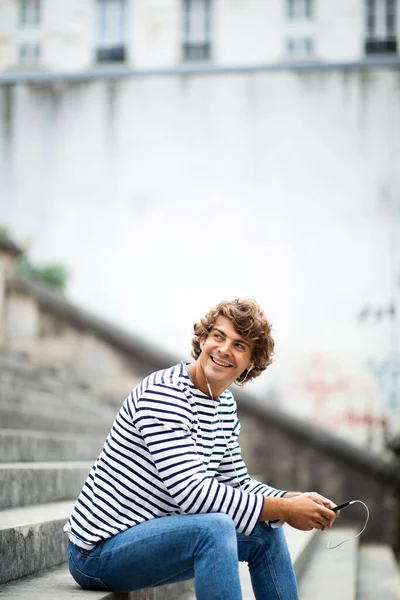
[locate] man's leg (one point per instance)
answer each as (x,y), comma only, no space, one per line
(270,565)
(166,550)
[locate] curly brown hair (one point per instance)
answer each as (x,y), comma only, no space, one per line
(250,322)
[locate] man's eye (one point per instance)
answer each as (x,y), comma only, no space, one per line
(218,336)
(240,346)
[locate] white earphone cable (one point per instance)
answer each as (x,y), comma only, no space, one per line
(355,536)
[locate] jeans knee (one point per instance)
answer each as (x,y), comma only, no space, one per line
(222,524)
(266,539)
(219,529)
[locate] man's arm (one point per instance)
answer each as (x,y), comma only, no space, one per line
(302,511)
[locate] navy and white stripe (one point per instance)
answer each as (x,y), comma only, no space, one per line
(171,450)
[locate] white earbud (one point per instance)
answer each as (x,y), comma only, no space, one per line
(250,367)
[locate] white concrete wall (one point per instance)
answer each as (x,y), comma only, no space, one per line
(248,32)
(69,34)
(243,32)
(8,27)
(164,195)
(341,30)
(156,30)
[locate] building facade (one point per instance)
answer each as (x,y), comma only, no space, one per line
(57,35)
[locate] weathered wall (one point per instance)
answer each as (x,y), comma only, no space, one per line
(242,32)
(165,194)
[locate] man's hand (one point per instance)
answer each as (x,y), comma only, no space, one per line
(309,511)
(302,511)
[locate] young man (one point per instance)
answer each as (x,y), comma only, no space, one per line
(169,498)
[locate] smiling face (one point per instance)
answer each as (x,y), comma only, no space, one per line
(225,355)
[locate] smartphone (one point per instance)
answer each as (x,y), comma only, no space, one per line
(340,506)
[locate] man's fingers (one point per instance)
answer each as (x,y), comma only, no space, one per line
(321,499)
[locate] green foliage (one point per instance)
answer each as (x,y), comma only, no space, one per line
(52,274)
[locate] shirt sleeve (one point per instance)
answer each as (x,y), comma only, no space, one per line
(166,431)
(233,471)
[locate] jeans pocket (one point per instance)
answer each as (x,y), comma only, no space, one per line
(87,582)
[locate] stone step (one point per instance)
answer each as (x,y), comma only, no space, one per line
(24,484)
(65,398)
(378,574)
(31,542)
(55,419)
(31,539)
(23,445)
(55,583)
(332,573)
(58,584)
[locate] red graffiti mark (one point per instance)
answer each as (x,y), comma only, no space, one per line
(321,380)
(351,417)
(320,391)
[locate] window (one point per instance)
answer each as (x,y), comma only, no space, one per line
(111,42)
(381,27)
(196,30)
(302,47)
(30,53)
(29,12)
(300,9)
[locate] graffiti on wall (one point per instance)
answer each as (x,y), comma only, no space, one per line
(357,399)
(386,373)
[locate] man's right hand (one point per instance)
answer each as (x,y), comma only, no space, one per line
(304,511)
(308,511)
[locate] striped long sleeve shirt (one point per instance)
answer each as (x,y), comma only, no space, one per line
(171,450)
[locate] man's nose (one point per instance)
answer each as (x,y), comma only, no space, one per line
(226,347)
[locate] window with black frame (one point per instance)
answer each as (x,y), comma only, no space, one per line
(381,27)
(111,27)
(196,44)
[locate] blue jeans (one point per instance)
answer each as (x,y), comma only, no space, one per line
(205,547)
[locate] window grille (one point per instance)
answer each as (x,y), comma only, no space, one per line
(111,31)
(300,47)
(300,9)
(30,53)
(196,43)
(381,27)
(29,12)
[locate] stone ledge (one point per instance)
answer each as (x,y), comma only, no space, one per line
(58,583)
(23,445)
(144,355)
(26,484)
(379,573)
(31,540)
(70,423)
(332,573)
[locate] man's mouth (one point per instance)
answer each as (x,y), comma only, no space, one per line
(220,363)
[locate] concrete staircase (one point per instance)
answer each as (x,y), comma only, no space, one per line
(51,431)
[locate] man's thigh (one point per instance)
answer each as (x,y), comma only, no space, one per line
(153,553)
